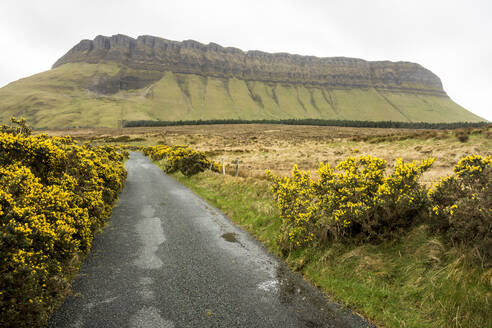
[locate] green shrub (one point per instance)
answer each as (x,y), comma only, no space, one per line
(462,136)
(186,160)
(462,205)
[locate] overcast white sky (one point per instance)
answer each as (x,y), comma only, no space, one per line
(451,38)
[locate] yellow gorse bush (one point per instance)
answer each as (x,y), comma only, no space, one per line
(357,199)
(462,205)
(181,158)
(156,152)
(54,197)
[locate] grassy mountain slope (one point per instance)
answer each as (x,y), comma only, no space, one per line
(61,98)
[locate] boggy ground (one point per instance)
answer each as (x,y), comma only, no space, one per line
(279,147)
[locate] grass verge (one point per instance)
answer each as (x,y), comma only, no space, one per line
(416,281)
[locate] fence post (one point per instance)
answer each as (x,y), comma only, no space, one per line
(223,167)
(237,166)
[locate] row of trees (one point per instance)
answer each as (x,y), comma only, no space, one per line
(315,122)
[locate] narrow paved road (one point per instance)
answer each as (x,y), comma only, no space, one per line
(168,259)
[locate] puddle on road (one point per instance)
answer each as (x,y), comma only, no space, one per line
(313,309)
(290,286)
(230,237)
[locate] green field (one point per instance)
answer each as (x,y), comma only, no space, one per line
(60,98)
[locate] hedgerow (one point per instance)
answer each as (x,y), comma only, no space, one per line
(462,205)
(54,197)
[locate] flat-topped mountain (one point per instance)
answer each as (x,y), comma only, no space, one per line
(155,54)
(103,81)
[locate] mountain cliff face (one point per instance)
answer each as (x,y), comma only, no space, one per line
(149,57)
(104,81)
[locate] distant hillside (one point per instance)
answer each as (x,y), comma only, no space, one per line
(107,80)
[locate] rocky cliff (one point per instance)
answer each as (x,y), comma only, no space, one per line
(147,58)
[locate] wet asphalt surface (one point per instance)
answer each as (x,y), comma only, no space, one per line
(168,259)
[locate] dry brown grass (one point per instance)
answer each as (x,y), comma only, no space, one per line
(279,147)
